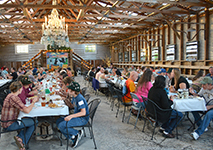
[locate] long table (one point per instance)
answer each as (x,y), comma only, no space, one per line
(4,81)
(190,104)
(39,111)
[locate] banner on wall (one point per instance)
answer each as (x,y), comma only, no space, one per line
(55,60)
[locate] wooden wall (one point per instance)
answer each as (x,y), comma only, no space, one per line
(10,59)
(168,36)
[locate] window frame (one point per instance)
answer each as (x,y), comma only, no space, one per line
(92,52)
(16,49)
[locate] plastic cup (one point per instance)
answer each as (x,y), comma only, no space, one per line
(43,104)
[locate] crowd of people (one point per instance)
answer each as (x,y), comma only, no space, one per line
(152,83)
(155,84)
(25,86)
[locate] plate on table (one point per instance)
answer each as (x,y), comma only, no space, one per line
(53,105)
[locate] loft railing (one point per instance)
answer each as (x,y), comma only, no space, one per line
(74,59)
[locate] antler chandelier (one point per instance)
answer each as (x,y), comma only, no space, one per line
(54,30)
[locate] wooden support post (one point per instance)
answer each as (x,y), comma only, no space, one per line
(42,58)
(163,44)
(138,48)
(168,34)
(188,26)
(206,36)
(181,44)
(174,35)
(149,46)
(71,59)
(123,50)
(130,50)
(197,27)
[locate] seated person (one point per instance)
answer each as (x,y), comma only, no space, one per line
(63,92)
(41,74)
(207,92)
(143,87)
(10,111)
(13,74)
(198,77)
(125,73)
(179,82)
(210,74)
(92,72)
(116,72)
(169,119)
(99,73)
(204,124)
(102,79)
(79,117)
(130,85)
(26,82)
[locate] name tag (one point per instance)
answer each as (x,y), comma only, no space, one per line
(81,103)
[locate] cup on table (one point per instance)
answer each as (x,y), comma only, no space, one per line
(43,97)
(43,104)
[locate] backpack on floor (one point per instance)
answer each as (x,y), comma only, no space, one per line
(44,131)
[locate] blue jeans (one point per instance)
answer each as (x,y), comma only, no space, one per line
(141,103)
(61,124)
(197,118)
(204,124)
(173,121)
(29,123)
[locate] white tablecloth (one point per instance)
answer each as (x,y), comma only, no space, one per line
(39,111)
(4,81)
(191,104)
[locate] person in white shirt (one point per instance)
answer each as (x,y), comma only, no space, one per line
(99,73)
(207,92)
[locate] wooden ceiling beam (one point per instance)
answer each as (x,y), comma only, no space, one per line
(148,10)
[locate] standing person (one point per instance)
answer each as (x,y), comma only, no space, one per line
(210,74)
(169,119)
(79,118)
(143,87)
(130,85)
(10,111)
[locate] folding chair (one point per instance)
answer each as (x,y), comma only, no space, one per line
(139,109)
(87,97)
(83,91)
(120,101)
(154,116)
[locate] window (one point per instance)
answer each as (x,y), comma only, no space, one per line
(90,49)
(21,49)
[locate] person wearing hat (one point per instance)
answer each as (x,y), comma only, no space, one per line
(79,118)
(206,92)
(26,82)
(203,124)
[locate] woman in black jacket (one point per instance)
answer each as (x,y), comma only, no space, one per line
(158,95)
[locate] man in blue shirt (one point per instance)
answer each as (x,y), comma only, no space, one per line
(210,74)
(79,118)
